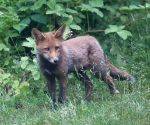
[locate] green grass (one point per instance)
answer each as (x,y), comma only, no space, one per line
(126,108)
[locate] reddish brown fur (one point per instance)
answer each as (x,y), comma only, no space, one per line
(57,58)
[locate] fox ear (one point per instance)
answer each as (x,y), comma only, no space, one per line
(37,35)
(60,31)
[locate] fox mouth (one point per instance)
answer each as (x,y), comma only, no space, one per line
(54,61)
(51,60)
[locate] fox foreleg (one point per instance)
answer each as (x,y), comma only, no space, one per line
(51,87)
(62,88)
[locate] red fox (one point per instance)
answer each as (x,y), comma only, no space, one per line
(57,58)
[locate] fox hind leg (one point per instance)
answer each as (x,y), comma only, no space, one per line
(99,67)
(81,75)
(102,71)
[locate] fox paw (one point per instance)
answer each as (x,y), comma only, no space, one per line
(114,92)
(117,91)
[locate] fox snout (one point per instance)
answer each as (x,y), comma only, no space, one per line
(53,60)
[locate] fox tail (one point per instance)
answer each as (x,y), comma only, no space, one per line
(119,74)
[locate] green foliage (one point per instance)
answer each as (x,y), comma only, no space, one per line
(93,7)
(119,30)
(21,89)
(31,44)
(3,47)
(13,85)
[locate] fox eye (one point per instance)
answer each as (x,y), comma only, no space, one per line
(57,47)
(47,49)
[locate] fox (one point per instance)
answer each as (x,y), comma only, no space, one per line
(57,58)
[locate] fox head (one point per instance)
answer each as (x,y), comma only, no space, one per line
(49,44)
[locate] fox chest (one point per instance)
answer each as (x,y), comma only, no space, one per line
(52,70)
(49,70)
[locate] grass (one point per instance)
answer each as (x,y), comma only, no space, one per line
(123,109)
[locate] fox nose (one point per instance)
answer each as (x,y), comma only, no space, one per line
(55,60)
